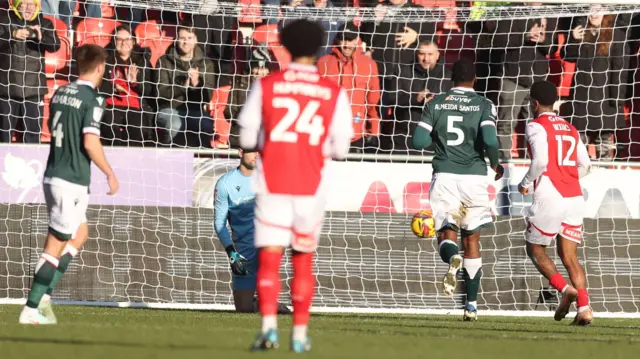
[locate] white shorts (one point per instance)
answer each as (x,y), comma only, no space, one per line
(67,209)
(283,220)
(460,200)
(551,214)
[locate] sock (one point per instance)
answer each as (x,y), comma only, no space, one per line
(300,333)
(45,270)
(447,249)
(302,287)
(558,282)
(583,299)
(472,275)
(268,287)
(67,255)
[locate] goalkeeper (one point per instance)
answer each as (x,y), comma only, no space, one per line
(234,202)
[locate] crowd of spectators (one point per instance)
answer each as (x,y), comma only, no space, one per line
(186,85)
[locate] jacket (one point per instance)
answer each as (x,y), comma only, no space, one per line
(600,85)
(116,73)
(172,75)
(524,61)
(358,75)
(22,63)
(403,95)
(381,40)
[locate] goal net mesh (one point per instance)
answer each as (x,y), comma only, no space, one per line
(154,242)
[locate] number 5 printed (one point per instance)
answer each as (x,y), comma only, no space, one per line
(308,121)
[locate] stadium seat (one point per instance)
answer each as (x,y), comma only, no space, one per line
(59,60)
(155,36)
(221,125)
(52,85)
(59,26)
(266,34)
(95,31)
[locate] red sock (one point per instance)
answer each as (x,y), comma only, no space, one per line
(302,287)
(583,298)
(268,278)
(558,282)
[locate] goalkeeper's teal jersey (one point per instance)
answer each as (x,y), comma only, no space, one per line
(234,202)
(454,119)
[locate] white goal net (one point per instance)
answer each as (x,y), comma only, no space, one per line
(154,244)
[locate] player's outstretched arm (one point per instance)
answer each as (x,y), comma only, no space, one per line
(422,135)
(584,161)
(341,130)
(250,118)
(96,154)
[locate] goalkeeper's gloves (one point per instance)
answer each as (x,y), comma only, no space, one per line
(236,260)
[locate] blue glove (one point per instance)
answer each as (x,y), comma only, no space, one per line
(236,260)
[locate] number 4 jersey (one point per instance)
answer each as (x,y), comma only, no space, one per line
(298,121)
(557,153)
(75,109)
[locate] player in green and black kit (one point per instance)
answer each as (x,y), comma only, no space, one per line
(462,126)
(75,114)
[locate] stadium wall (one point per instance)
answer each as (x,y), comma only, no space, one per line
(171,255)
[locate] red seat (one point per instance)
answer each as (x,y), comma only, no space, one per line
(52,85)
(59,26)
(95,31)
(221,125)
(266,34)
(57,61)
(156,37)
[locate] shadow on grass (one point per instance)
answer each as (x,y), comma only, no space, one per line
(120,344)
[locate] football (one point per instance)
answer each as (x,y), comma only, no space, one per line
(423,225)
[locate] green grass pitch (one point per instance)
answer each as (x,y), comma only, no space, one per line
(88,332)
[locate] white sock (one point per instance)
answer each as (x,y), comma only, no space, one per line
(582,309)
(269,322)
(474,304)
(45,298)
(300,333)
(472,265)
(71,250)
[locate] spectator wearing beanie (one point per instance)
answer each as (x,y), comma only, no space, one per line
(358,74)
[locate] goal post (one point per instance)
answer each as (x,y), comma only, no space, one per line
(153,245)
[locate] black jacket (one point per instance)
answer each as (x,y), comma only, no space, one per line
(600,86)
(381,39)
(22,65)
(144,86)
(524,61)
(410,81)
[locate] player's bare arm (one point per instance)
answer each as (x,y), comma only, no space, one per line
(94,148)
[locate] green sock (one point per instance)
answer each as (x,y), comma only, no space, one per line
(45,271)
(62,267)
(472,285)
(447,250)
